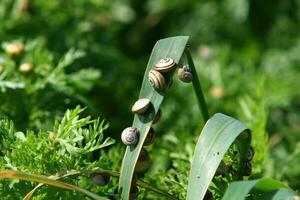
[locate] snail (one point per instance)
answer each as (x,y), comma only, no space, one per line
(250,153)
(185,74)
(25,67)
(130,136)
(14,49)
(157,117)
(140,106)
(244,135)
(157,80)
(150,137)
(222,168)
(99,179)
(170,83)
(133,192)
(248,169)
(143,161)
(165,65)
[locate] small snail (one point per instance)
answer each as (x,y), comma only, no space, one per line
(140,106)
(14,49)
(133,192)
(244,135)
(165,65)
(130,136)
(25,67)
(157,80)
(150,137)
(143,161)
(185,74)
(208,196)
(248,169)
(222,168)
(157,117)
(100,179)
(170,83)
(250,153)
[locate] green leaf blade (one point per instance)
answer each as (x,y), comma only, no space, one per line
(170,47)
(274,189)
(218,134)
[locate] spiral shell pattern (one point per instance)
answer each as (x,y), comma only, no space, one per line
(157,80)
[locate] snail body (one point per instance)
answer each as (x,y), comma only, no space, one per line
(130,136)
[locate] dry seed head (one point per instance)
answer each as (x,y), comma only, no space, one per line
(130,136)
(14,49)
(140,106)
(165,65)
(52,135)
(25,67)
(157,80)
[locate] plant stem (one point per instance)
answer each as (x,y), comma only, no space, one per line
(197,86)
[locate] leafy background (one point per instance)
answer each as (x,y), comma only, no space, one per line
(94,53)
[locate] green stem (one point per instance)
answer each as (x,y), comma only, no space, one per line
(197,86)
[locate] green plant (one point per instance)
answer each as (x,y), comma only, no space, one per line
(220,156)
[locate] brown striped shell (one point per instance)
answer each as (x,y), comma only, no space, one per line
(185,74)
(157,80)
(165,65)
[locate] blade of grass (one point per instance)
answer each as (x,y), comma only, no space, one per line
(11,174)
(281,194)
(170,47)
(197,86)
(97,170)
(218,134)
(241,189)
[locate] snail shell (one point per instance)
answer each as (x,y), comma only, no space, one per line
(157,80)
(185,74)
(130,136)
(157,117)
(99,179)
(250,154)
(133,192)
(143,161)
(150,137)
(165,65)
(248,169)
(140,106)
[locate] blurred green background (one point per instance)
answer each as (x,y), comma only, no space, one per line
(94,53)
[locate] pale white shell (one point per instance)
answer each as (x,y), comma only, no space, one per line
(130,136)
(140,106)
